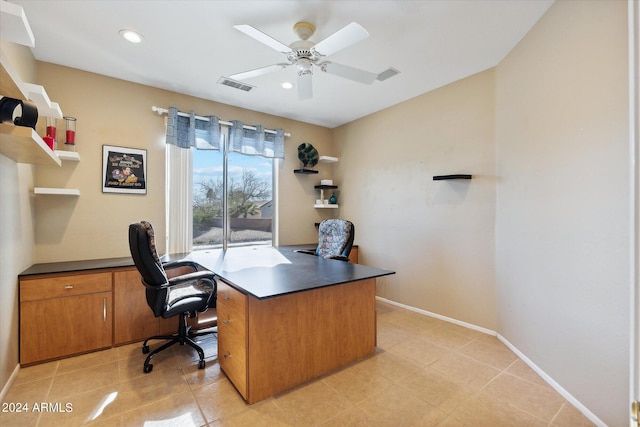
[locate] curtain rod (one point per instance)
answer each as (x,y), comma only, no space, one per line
(162,111)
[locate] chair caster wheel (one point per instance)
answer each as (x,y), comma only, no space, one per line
(148,368)
(201,364)
(145,349)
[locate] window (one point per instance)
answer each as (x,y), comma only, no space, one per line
(249,207)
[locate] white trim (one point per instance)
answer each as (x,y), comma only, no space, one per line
(557,387)
(439,316)
(9,383)
(634,197)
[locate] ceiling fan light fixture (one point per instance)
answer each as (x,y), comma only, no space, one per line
(304,30)
(131,36)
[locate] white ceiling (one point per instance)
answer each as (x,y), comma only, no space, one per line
(189,45)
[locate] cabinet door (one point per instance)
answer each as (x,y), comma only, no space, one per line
(133,318)
(65,326)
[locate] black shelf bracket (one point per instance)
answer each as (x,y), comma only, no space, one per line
(446,177)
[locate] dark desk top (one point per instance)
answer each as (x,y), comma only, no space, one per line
(266,271)
(261,271)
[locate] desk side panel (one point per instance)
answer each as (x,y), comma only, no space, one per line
(297,337)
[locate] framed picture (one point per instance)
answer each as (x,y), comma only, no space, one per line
(124,170)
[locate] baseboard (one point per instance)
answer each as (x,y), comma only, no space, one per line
(557,387)
(9,383)
(439,316)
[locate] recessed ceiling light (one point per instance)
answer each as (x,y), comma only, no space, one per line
(286,85)
(131,36)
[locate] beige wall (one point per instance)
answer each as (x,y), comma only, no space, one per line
(437,235)
(16,230)
(115,112)
(562,233)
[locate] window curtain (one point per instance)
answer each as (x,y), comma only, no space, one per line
(187,132)
(182,134)
(256,142)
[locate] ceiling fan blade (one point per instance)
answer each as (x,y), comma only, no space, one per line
(258,71)
(341,39)
(350,73)
(305,86)
(263,38)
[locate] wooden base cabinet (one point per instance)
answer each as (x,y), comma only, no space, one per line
(267,346)
(63,315)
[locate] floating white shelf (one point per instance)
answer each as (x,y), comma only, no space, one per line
(327,159)
(57,191)
(326,206)
(68,155)
(24,145)
(15,27)
(46,108)
(10,83)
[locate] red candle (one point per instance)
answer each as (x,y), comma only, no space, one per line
(71,137)
(51,131)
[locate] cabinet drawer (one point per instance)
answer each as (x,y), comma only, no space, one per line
(57,286)
(231,301)
(232,354)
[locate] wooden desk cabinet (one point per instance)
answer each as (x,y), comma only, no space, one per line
(267,346)
(64,314)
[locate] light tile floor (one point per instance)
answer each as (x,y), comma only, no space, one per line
(425,372)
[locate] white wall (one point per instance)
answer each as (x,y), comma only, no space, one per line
(562,229)
(16,231)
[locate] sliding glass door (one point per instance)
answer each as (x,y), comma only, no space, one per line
(232,202)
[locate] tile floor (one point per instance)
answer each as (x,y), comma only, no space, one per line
(425,372)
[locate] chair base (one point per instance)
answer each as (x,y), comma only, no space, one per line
(184,336)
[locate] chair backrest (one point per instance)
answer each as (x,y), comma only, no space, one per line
(143,251)
(335,237)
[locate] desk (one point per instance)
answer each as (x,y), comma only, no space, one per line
(285,317)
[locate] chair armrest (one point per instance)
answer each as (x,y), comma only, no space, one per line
(306,251)
(197,275)
(177,264)
(338,257)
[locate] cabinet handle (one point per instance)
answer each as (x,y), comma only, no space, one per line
(225,321)
(104,309)
(69,287)
(227,356)
(226,298)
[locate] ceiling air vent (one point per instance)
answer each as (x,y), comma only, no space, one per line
(235,84)
(386,74)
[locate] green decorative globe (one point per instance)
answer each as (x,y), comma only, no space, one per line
(308,155)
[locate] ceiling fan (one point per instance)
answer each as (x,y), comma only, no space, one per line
(304,54)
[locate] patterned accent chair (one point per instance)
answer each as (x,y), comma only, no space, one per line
(335,239)
(181,296)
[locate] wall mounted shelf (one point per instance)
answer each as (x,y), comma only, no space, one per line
(15,27)
(24,145)
(305,171)
(329,206)
(448,177)
(10,83)
(327,159)
(326,187)
(57,191)
(68,155)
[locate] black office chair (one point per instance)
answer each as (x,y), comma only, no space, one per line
(335,239)
(181,296)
